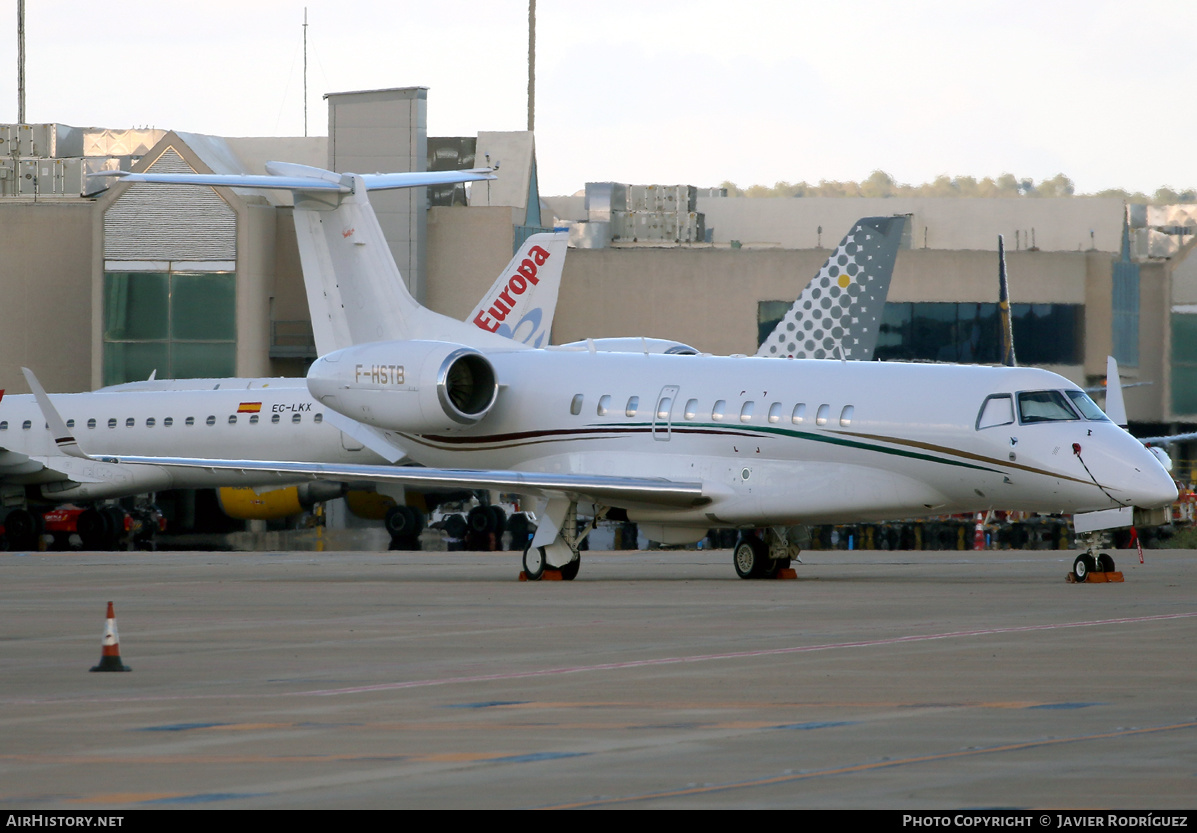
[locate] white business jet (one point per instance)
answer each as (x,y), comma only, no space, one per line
(680,444)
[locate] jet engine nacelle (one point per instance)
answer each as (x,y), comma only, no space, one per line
(416,387)
(249,504)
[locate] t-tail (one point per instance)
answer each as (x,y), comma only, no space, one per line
(521,303)
(838,314)
(355,291)
(1006,323)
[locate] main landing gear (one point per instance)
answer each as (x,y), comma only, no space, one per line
(756,558)
(562,556)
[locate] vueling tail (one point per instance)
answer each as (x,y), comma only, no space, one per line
(521,303)
(838,314)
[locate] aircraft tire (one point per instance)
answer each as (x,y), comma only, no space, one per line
(499,518)
(1105,563)
(22,528)
(534,561)
(570,571)
(481,520)
(1083,566)
(749,557)
(455,526)
(93,529)
(402,522)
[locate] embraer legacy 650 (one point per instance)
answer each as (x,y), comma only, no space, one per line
(684,443)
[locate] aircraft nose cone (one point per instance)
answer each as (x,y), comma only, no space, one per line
(1127,471)
(1157,488)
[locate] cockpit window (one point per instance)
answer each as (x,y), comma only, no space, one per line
(1086,406)
(1044,406)
(997,409)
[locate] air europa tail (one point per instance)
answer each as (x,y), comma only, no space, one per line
(521,303)
(839,312)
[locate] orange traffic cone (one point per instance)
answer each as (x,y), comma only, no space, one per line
(110,652)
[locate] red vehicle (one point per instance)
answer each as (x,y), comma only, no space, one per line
(106,527)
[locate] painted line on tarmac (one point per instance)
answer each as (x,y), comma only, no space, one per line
(858,768)
(763,652)
(620,666)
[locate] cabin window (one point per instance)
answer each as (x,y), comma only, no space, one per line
(1086,406)
(190,421)
(692,409)
(130,422)
(775,412)
(211,420)
(1043,406)
(746,412)
(91,423)
(253,420)
(296,418)
(150,422)
(799,415)
(4,425)
(274,419)
(112,422)
(846,416)
(664,407)
(718,409)
(823,415)
(604,404)
(70,423)
(318,418)
(168,421)
(997,409)
(232,419)
(575,406)
(633,406)
(26,425)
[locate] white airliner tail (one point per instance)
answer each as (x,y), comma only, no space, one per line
(355,292)
(838,314)
(521,303)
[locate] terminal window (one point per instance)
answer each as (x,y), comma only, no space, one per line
(180,324)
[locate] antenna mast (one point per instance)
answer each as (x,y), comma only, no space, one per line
(531,66)
(20,61)
(305,71)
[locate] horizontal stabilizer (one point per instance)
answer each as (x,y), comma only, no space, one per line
(289,176)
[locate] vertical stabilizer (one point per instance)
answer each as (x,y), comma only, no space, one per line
(1115,403)
(522,301)
(355,292)
(839,312)
(1006,322)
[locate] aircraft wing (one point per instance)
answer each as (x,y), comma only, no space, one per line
(618,491)
(16,467)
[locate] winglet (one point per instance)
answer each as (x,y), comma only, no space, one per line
(62,436)
(1115,404)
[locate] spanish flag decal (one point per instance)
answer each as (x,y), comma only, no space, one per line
(250,408)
